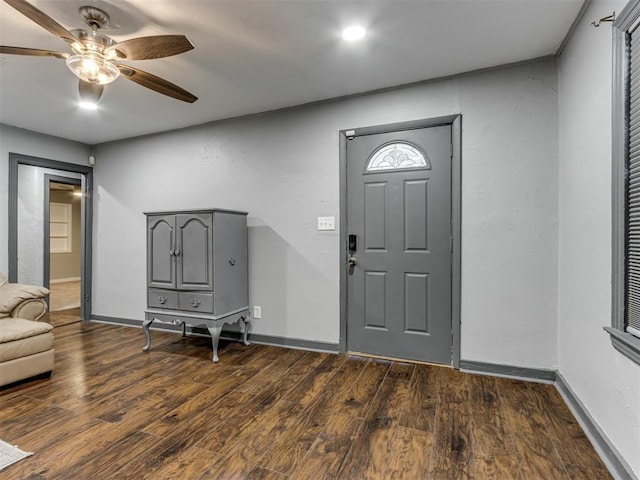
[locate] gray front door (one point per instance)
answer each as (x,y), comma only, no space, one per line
(399,297)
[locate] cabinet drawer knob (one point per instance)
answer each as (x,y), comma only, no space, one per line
(232,261)
(162,300)
(195,302)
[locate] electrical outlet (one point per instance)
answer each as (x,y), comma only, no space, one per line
(257,312)
(326,223)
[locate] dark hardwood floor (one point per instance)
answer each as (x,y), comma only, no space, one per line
(110,411)
(62,317)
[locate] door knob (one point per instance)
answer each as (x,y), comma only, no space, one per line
(352,261)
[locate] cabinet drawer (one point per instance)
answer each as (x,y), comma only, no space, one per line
(162,299)
(196,302)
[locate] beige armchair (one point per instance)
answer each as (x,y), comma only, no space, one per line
(22,301)
(26,345)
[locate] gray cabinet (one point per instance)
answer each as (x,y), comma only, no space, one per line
(197,271)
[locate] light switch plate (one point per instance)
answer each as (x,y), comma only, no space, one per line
(326,223)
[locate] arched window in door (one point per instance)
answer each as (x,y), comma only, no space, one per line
(397,156)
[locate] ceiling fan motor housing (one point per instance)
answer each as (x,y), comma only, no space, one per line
(90,41)
(94,17)
(91,62)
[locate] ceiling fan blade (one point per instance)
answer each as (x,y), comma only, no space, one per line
(90,92)
(42,19)
(157,46)
(157,84)
(32,52)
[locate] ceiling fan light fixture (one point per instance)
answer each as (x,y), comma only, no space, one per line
(93,68)
(95,59)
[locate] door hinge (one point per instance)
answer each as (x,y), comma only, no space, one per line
(451,244)
(350,134)
(451,150)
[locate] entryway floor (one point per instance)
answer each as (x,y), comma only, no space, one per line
(64,295)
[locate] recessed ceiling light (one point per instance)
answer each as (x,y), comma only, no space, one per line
(353,33)
(88,105)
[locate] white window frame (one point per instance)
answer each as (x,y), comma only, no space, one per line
(627,20)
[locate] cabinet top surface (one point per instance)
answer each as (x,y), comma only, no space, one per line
(195,210)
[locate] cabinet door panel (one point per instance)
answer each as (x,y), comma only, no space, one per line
(195,244)
(161,264)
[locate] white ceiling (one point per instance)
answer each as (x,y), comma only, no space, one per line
(252,56)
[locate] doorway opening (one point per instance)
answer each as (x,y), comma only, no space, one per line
(50,231)
(63,217)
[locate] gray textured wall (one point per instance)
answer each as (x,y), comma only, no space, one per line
(283,168)
(18,140)
(607,382)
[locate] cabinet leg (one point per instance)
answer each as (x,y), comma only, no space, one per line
(145,328)
(215,336)
(246,329)
(184,329)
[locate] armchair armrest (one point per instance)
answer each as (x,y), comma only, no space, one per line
(32,309)
(13,295)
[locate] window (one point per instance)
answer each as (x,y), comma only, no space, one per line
(60,227)
(397,156)
(625,324)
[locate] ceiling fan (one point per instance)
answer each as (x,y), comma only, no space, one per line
(96,57)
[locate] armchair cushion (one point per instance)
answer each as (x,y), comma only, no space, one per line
(13,294)
(18,328)
(20,338)
(26,349)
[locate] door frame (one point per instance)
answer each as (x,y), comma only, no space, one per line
(17,159)
(455,121)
